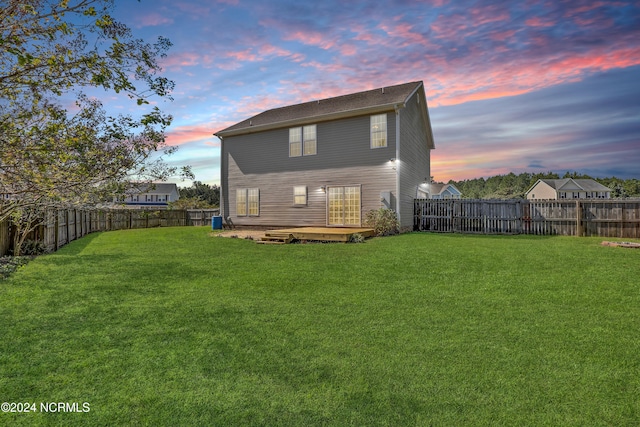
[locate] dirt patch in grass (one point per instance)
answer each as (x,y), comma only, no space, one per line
(622,244)
(240,234)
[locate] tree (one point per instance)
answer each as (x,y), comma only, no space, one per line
(515,186)
(190,203)
(200,191)
(51,50)
(632,187)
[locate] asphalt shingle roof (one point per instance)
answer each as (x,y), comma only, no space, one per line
(585,184)
(381,97)
(157,188)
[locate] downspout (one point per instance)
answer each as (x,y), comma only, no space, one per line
(398,163)
(223,212)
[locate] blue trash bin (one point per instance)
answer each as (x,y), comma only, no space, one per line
(216,222)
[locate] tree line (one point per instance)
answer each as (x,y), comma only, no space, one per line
(512,186)
(198,196)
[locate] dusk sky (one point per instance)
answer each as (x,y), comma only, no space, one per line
(512,86)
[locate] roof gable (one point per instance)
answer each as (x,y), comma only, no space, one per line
(567,184)
(453,190)
(367,102)
(439,189)
(570,184)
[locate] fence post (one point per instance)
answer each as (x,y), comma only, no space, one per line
(578,218)
(57,225)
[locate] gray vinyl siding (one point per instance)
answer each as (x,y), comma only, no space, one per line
(344,158)
(414,155)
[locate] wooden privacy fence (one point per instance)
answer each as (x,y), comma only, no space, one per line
(61,226)
(583,217)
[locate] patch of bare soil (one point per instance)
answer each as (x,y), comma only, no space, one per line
(622,244)
(241,234)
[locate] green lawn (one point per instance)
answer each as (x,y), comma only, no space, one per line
(171,326)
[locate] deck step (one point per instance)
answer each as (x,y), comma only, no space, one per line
(270,242)
(272,237)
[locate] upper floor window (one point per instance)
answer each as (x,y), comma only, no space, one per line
(302,141)
(379,131)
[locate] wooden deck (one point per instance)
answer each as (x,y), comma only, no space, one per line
(325,234)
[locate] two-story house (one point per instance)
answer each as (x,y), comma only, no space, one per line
(328,162)
(568,188)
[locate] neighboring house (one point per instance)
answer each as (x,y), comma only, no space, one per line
(568,188)
(328,162)
(7,193)
(156,194)
(444,191)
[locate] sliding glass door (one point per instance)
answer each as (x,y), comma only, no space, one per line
(343,206)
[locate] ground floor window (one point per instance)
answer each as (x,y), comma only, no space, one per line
(247,202)
(300,195)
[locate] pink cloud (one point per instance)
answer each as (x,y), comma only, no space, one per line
(152,20)
(312,38)
(185,134)
(538,22)
(181,59)
(525,75)
(259,53)
(243,55)
(450,27)
(587,7)
(488,14)
(404,32)
(459,25)
(348,49)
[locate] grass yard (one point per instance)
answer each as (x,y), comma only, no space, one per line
(171,327)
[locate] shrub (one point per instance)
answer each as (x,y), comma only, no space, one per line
(384,221)
(10,264)
(356,238)
(33,247)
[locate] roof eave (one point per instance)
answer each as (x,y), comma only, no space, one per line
(425,115)
(311,119)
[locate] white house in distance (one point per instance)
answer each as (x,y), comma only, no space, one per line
(156,195)
(568,188)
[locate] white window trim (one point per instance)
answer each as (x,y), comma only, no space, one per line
(251,202)
(386,131)
(246,194)
(300,194)
(302,141)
